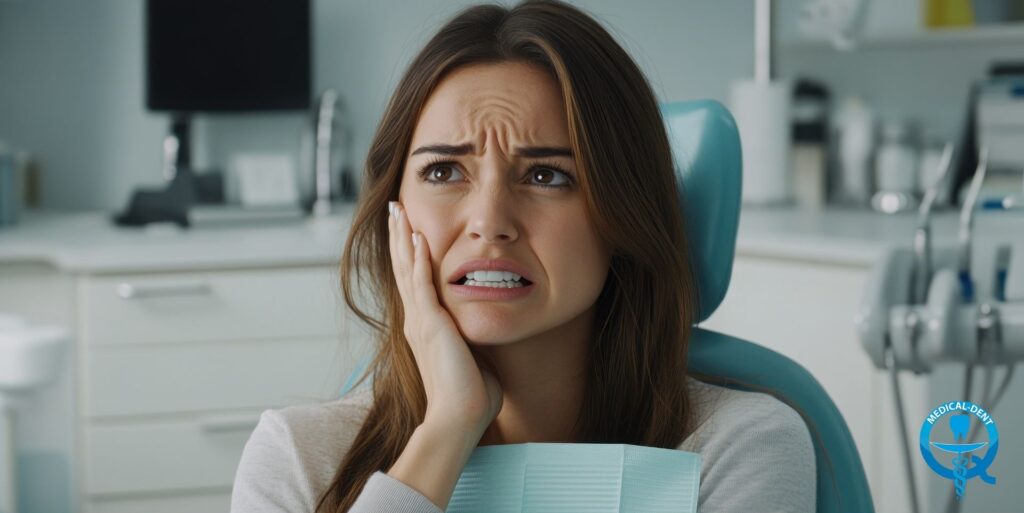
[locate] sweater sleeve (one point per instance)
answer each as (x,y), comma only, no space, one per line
(273,478)
(385,493)
(760,459)
(269,474)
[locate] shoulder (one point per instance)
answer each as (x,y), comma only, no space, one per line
(721,409)
(293,453)
(334,423)
(756,452)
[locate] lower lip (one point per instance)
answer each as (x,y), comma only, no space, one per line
(491,292)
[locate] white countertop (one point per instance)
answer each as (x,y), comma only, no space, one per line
(854,236)
(89,242)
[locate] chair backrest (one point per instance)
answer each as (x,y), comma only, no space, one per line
(706,149)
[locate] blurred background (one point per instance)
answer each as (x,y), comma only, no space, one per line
(173,204)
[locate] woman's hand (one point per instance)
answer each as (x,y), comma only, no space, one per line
(460,394)
(462,399)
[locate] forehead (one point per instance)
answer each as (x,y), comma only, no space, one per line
(521,97)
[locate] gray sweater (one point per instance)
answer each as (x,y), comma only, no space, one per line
(756,453)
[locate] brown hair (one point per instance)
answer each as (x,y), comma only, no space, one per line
(636,391)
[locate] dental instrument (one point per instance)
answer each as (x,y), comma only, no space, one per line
(920,308)
(967,225)
(922,237)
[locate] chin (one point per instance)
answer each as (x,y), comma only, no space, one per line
(488,342)
(490,337)
(483,332)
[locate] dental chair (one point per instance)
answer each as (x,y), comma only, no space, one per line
(706,149)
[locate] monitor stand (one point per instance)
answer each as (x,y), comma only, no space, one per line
(178,146)
(172,203)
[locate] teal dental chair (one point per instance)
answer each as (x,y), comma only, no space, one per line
(706,149)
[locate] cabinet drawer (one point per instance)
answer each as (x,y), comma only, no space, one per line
(201,306)
(176,378)
(165,456)
(196,503)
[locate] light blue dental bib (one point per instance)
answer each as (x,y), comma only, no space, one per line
(591,478)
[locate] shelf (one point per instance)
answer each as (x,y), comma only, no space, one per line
(1012,33)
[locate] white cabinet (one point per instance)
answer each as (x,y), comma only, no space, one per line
(200,502)
(182,338)
(208,306)
(174,455)
(174,369)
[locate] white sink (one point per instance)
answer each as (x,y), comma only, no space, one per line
(29,356)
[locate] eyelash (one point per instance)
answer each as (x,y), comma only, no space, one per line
(438,161)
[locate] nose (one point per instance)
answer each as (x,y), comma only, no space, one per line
(491,213)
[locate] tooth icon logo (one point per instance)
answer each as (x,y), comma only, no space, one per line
(965,459)
(959,424)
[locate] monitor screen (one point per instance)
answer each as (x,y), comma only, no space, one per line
(221,55)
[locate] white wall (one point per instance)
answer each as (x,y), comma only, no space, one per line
(72,79)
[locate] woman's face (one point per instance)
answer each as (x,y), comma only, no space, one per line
(489,201)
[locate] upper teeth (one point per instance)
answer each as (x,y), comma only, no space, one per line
(492,276)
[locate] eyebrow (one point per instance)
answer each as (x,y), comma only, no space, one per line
(463,149)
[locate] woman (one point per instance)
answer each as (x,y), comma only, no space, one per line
(522,140)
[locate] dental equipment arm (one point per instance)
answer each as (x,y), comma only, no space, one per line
(922,272)
(912,319)
(944,329)
(967,225)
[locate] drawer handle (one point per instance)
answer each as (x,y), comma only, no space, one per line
(130,291)
(222,423)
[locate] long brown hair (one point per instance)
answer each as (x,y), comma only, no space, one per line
(636,391)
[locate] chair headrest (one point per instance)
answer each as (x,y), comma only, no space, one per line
(706,151)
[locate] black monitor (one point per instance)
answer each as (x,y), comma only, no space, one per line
(227,56)
(222,56)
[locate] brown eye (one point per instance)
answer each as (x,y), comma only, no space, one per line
(441,172)
(545,175)
(437,173)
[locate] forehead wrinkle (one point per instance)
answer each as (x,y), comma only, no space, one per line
(499,116)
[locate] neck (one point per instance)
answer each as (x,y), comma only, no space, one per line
(543,379)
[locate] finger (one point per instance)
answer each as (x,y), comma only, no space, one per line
(406,254)
(393,244)
(423,281)
(404,245)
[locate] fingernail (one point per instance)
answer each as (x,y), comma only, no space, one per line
(415,238)
(391,208)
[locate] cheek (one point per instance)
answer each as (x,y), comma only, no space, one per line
(426,219)
(575,257)
(433,223)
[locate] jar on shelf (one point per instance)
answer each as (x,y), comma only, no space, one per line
(896,166)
